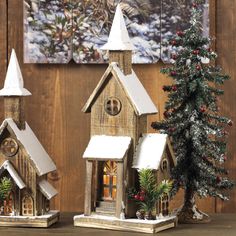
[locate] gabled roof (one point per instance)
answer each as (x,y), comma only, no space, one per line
(102,147)
(133,88)
(13,173)
(14,84)
(37,154)
(119,37)
(47,189)
(150,150)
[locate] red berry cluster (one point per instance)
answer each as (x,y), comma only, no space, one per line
(202,109)
(218,179)
(230,123)
(173,56)
(173,42)
(196,52)
(171,129)
(173,73)
(140,196)
(180,33)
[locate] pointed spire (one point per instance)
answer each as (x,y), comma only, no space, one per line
(14,84)
(119,37)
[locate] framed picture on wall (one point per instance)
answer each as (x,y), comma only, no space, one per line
(62,30)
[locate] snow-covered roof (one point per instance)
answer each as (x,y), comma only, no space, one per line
(47,189)
(149,151)
(14,84)
(11,170)
(104,147)
(119,36)
(40,158)
(134,89)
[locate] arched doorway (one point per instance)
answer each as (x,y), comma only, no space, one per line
(109,181)
(27,206)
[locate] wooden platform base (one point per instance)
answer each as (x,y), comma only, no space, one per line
(133,225)
(43,221)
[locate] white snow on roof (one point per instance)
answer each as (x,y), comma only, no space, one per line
(149,151)
(119,36)
(137,94)
(47,189)
(14,84)
(107,147)
(8,166)
(42,162)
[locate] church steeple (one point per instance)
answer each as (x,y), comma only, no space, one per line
(119,44)
(13,92)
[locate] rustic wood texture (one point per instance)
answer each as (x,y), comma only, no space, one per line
(88,188)
(60,91)
(14,108)
(221,224)
(225,46)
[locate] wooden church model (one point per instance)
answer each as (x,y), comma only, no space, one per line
(23,160)
(119,107)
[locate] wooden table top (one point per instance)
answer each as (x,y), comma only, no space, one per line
(221,225)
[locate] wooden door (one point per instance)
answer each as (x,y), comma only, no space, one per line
(109,176)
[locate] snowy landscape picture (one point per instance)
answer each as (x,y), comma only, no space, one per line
(57,31)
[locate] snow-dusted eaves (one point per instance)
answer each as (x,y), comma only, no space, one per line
(37,154)
(47,189)
(149,151)
(102,147)
(119,37)
(12,172)
(134,89)
(14,84)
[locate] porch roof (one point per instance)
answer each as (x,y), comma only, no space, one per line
(47,189)
(102,147)
(11,170)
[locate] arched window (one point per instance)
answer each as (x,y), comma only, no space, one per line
(165,205)
(109,180)
(164,165)
(27,206)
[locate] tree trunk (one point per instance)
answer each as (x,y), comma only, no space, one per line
(189,213)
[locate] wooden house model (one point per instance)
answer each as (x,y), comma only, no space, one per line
(119,106)
(23,160)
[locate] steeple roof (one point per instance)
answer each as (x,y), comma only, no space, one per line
(14,84)
(119,37)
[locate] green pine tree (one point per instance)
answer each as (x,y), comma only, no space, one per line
(192,119)
(149,192)
(5,188)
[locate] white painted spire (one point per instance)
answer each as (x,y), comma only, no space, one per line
(119,37)
(14,84)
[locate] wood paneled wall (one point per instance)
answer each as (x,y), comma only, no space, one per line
(60,91)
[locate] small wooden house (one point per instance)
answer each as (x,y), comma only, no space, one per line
(119,107)
(154,152)
(22,157)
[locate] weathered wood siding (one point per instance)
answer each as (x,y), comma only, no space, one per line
(60,91)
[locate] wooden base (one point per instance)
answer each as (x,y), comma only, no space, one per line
(134,225)
(43,221)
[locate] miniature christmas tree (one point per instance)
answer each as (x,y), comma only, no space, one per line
(192,119)
(5,188)
(149,193)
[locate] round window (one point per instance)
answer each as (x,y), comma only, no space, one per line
(113,106)
(9,147)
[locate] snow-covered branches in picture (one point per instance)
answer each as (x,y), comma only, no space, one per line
(57,31)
